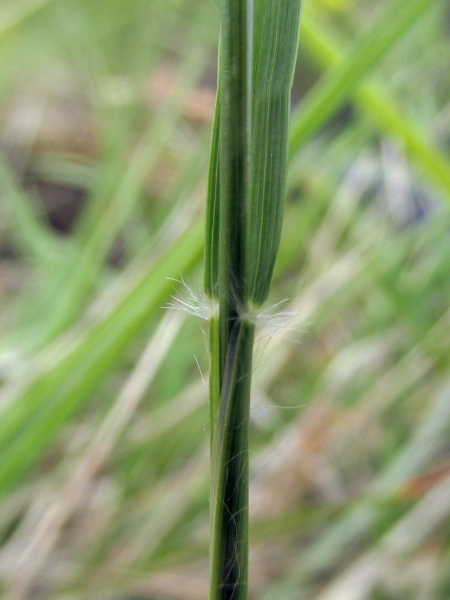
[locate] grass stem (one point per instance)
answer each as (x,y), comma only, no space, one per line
(245,204)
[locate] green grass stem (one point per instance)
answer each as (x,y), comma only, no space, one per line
(245,206)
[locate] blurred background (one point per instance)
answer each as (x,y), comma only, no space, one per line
(105,122)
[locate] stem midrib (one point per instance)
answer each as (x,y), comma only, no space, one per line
(235,161)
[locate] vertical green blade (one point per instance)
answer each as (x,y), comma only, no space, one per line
(245,205)
(275,52)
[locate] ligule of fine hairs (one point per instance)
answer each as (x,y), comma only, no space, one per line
(258,47)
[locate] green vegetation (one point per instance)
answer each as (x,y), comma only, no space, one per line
(258,47)
(106,113)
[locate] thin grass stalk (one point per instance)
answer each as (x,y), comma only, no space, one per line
(231,338)
(245,204)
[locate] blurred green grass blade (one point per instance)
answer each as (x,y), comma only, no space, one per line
(423,446)
(16,12)
(33,238)
(51,167)
(112,186)
(426,155)
(68,301)
(362,517)
(414,527)
(31,419)
(409,372)
(381,107)
(338,83)
(98,451)
(110,206)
